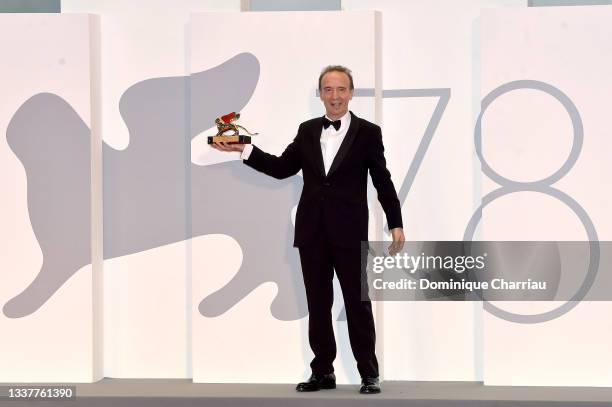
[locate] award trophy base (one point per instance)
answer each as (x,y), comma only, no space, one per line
(230,139)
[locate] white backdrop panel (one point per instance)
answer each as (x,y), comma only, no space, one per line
(57,342)
(527,135)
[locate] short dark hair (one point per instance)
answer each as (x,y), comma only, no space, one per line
(337,68)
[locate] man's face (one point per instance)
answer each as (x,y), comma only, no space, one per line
(336,94)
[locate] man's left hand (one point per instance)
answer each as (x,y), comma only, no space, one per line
(398,240)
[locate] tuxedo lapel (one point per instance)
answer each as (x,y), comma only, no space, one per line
(316,145)
(345,146)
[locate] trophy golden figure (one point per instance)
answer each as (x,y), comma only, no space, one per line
(226,124)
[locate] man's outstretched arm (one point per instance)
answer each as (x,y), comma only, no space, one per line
(288,164)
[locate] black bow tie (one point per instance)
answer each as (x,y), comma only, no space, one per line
(327,123)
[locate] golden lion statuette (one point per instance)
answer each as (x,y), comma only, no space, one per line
(226,124)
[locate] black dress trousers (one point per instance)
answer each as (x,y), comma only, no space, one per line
(319,259)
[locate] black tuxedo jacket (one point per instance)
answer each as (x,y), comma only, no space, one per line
(336,201)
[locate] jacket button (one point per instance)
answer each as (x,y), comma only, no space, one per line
(326,184)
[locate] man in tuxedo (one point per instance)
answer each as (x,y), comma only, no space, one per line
(335,153)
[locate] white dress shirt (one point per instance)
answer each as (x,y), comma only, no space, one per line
(330,139)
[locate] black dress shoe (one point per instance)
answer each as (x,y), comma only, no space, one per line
(318,382)
(370,385)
